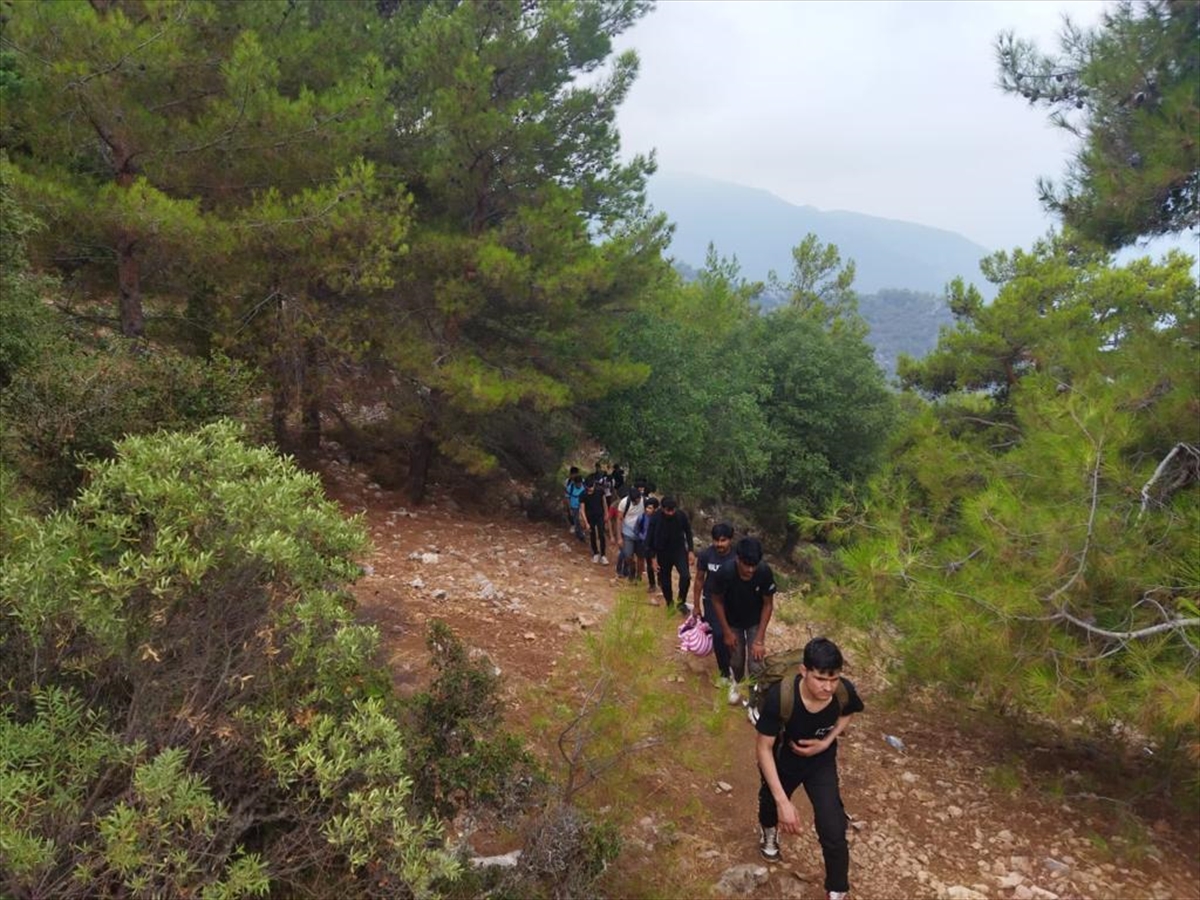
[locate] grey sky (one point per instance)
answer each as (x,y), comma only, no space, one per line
(884,108)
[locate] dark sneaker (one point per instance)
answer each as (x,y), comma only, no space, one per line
(768,844)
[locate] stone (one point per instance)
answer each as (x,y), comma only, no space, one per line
(1011,880)
(724,786)
(909,778)
(743,879)
(962,892)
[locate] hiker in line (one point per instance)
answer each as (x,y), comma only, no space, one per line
(799,747)
(595,521)
(573,492)
(708,563)
(629,511)
(670,540)
(743,598)
(645,558)
(612,523)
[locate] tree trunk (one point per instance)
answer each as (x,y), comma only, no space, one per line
(420,457)
(133,322)
(310,399)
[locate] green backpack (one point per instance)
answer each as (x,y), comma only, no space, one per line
(777,667)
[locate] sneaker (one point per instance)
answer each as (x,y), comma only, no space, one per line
(735,695)
(604,560)
(595,557)
(837,895)
(768,844)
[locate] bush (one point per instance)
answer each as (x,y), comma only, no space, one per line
(76,402)
(189,706)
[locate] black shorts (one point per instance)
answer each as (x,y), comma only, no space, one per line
(639,547)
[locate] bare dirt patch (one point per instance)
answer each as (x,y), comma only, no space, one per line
(970,808)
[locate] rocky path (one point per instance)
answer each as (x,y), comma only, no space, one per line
(952,816)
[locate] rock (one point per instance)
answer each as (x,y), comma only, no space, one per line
(1022,893)
(909,778)
(367,569)
(529,636)
(1011,880)
(1004,836)
(505,861)
(440,594)
(724,786)
(416,583)
(962,892)
(1054,867)
(429,558)
(743,879)
(1037,893)
(954,811)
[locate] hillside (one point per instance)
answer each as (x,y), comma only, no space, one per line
(760,229)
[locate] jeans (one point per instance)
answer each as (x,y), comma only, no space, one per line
(573,515)
(739,657)
(819,776)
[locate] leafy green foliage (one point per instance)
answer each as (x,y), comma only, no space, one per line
(168,640)
(1130,90)
(1034,534)
(462,756)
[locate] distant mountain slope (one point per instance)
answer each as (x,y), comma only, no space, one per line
(760,230)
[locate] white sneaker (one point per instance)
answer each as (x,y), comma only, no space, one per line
(604,560)
(838,895)
(735,695)
(768,844)
(595,557)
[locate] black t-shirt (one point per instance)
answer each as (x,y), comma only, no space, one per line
(595,507)
(710,563)
(743,600)
(805,725)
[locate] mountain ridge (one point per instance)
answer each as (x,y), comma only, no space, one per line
(760,229)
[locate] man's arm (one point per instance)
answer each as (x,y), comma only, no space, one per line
(813,746)
(759,648)
(698,583)
(789,819)
(718,603)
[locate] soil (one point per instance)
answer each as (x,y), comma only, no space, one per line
(972,807)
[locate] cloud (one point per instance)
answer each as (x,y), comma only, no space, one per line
(885,108)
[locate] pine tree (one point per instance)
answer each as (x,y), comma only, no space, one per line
(1130,90)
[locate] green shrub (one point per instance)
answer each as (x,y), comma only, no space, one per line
(76,402)
(190,706)
(460,755)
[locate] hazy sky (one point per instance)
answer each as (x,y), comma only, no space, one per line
(884,108)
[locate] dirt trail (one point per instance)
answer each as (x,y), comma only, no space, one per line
(950,817)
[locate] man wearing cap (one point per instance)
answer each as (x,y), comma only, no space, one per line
(670,538)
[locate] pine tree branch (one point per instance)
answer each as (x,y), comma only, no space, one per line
(1149,631)
(1176,451)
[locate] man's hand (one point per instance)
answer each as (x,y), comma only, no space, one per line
(810,746)
(757,650)
(730,639)
(789,819)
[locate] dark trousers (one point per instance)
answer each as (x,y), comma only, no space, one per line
(668,561)
(594,529)
(720,651)
(819,776)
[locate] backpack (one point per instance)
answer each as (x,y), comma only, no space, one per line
(786,665)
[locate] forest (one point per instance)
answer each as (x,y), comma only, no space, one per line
(232,231)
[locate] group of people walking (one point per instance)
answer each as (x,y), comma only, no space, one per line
(734,592)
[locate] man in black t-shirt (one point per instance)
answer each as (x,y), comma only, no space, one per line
(743,593)
(803,751)
(708,564)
